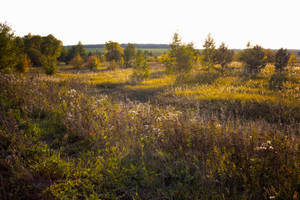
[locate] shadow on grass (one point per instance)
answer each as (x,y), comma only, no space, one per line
(201,78)
(158,74)
(119,92)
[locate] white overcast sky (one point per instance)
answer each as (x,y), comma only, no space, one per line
(270,23)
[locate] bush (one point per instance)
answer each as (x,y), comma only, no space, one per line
(93,63)
(181,57)
(277,80)
(141,69)
(77,61)
(49,65)
(113,65)
(23,64)
(281,59)
(253,59)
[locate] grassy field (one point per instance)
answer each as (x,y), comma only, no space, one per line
(101,135)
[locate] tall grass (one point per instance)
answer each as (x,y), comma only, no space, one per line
(60,142)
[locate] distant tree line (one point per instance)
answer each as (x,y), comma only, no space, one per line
(139,46)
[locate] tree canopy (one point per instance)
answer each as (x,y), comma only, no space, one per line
(223,56)
(129,55)
(209,51)
(113,51)
(254,59)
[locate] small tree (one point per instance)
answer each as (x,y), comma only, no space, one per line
(129,55)
(7,48)
(140,67)
(23,63)
(281,59)
(113,65)
(292,60)
(209,51)
(93,63)
(77,61)
(75,50)
(181,57)
(269,55)
(253,59)
(49,65)
(223,56)
(168,61)
(122,62)
(113,51)
(184,59)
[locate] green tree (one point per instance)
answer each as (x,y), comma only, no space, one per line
(113,51)
(63,55)
(269,55)
(129,55)
(254,59)
(281,59)
(209,51)
(50,49)
(76,50)
(168,61)
(184,59)
(223,56)
(181,56)
(141,69)
(32,46)
(8,51)
(23,63)
(49,65)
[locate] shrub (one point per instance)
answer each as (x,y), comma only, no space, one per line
(93,63)
(113,65)
(253,59)
(281,59)
(49,65)
(77,61)
(277,80)
(223,56)
(181,57)
(141,69)
(209,51)
(23,64)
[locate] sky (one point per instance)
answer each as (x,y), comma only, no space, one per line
(269,23)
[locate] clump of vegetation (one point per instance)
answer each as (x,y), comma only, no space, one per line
(113,51)
(254,59)
(209,52)
(281,59)
(223,56)
(77,62)
(180,59)
(141,69)
(129,55)
(93,63)
(113,65)
(277,80)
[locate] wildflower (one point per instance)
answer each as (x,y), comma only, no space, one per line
(91,133)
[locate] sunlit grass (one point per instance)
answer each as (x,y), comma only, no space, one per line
(202,85)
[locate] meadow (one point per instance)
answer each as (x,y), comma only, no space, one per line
(84,134)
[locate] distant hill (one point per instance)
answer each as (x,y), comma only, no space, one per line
(139,46)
